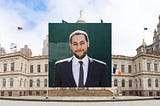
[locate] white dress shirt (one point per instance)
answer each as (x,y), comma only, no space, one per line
(76,66)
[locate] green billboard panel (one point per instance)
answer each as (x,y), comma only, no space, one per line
(100,44)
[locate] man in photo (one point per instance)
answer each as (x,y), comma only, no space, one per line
(80,70)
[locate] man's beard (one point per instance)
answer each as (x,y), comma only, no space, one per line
(81,56)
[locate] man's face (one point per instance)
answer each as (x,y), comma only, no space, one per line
(79,46)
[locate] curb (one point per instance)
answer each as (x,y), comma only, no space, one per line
(47,99)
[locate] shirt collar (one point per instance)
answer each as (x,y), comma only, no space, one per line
(84,60)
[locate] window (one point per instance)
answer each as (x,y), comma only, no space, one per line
(123,83)
(5,67)
(148,67)
(122,68)
(45,82)
(155,67)
(46,67)
(25,67)
(136,83)
(12,66)
(135,68)
(4,82)
(129,69)
(21,67)
(11,82)
(38,82)
(156,83)
(140,82)
(115,82)
(139,67)
(115,66)
(30,92)
(31,68)
(2,93)
(158,93)
(30,83)
(25,83)
(150,93)
(130,83)
(44,92)
(38,68)
(21,82)
(10,93)
(37,93)
(149,82)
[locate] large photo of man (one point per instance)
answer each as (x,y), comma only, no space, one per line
(78,68)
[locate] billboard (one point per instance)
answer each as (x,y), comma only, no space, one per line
(59,46)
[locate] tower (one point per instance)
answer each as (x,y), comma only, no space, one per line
(80,20)
(153,48)
(45,46)
(26,51)
(2,50)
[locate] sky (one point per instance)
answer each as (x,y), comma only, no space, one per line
(128,18)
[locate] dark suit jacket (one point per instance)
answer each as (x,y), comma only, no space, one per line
(96,74)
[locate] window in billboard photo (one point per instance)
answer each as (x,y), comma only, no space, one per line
(80,55)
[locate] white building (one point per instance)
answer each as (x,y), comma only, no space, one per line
(141,73)
(22,75)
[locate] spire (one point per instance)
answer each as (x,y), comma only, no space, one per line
(155,33)
(80,20)
(144,43)
(158,25)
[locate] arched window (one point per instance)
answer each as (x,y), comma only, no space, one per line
(148,66)
(4,82)
(130,83)
(11,82)
(123,83)
(45,82)
(115,82)
(140,82)
(136,83)
(30,83)
(38,82)
(25,83)
(149,82)
(21,82)
(156,83)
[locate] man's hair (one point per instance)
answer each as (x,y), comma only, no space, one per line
(78,32)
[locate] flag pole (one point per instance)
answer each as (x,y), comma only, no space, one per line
(144,29)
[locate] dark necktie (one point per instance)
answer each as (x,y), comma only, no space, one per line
(81,75)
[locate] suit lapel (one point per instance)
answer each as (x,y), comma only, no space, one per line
(70,74)
(89,75)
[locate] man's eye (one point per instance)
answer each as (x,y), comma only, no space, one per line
(74,44)
(82,43)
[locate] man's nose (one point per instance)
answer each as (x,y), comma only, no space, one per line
(78,46)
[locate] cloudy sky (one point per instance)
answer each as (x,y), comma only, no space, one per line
(128,18)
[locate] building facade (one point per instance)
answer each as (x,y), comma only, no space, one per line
(141,73)
(22,75)
(153,48)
